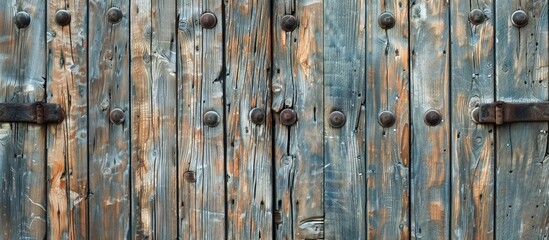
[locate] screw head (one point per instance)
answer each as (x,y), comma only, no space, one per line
(208,20)
(519,18)
(63,17)
(288,117)
(288,23)
(211,118)
(117,116)
(337,119)
(386,20)
(386,119)
(257,116)
(114,15)
(432,117)
(22,19)
(476,16)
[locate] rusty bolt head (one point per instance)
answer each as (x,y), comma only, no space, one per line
(432,117)
(257,116)
(476,16)
(288,117)
(114,15)
(63,17)
(519,18)
(337,119)
(211,118)
(288,23)
(386,20)
(386,119)
(117,116)
(22,19)
(208,20)
(189,176)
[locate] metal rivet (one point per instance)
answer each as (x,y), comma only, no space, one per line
(22,19)
(288,117)
(211,118)
(386,119)
(114,15)
(337,119)
(476,16)
(288,23)
(63,17)
(117,116)
(208,20)
(432,117)
(386,20)
(257,116)
(189,176)
(519,18)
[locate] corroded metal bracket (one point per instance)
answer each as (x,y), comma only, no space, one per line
(38,112)
(504,112)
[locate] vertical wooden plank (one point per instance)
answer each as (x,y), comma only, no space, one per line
(388,147)
(299,151)
(472,74)
(109,166)
(430,179)
(249,144)
(22,146)
(68,142)
(201,148)
(522,64)
(344,155)
(153,110)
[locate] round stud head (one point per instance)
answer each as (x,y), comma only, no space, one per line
(476,16)
(288,117)
(114,15)
(22,19)
(288,23)
(208,20)
(257,116)
(432,117)
(211,118)
(519,18)
(386,119)
(386,20)
(337,119)
(63,17)
(117,116)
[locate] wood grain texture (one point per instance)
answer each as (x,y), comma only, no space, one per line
(522,64)
(22,162)
(201,148)
(430,147)
(109,163)
(344,90)
(388,149)
(153,114)
(299,152)
(472,74)
(67,143)
(249,146)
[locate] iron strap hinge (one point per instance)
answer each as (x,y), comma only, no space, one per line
(38,112)
(504,112)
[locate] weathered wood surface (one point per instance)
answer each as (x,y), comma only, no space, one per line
(522,63)
(109,162)
(67,142)
(201,148)
(472,74)
(430,146)
(22,161)
(388,148)
(153,119)
(249,145)
(344,91)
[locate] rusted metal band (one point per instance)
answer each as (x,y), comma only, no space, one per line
(39,112)
(504,112)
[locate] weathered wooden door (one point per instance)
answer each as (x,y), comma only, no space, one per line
(281,119)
